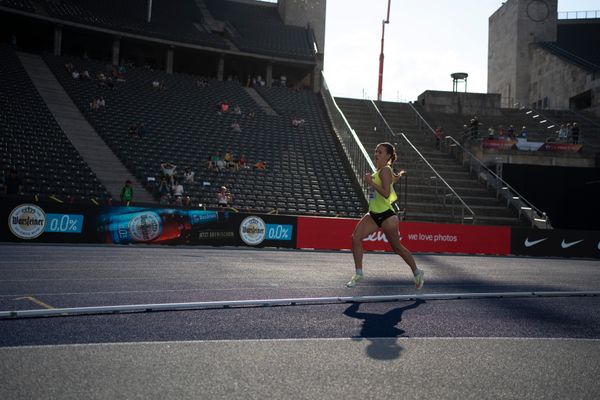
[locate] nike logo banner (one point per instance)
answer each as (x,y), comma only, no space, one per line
(555,243)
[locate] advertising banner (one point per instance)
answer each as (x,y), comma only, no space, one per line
(24,220)
(562,147)
(498,144)
(555,242)
(53,222)
(133,225)
(335,233)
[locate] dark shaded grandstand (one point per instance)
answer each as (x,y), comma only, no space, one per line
(34,144)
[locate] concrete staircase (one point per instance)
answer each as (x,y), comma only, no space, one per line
(100,158)
(262,103)
(423,204)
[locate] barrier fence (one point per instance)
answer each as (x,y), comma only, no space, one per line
(29,221)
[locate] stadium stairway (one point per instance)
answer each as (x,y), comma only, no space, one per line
(423,204)
(101,160)
(260,101)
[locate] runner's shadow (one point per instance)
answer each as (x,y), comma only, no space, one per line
(381,330)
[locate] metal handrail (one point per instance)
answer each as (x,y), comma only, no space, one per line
(541,218)
(422,159)
(358,157)
(534,214)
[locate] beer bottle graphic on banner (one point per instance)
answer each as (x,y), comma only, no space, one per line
(152,225)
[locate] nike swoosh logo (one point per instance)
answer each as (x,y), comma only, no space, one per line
(534,242)
(565,245)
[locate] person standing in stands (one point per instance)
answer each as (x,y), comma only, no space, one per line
(224,197)
(575,133)
(126,193)
(382,215)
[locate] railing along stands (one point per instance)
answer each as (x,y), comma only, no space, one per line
(449,144)
(412,158)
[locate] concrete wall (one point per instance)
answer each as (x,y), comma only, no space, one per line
(306,13)
(512,29)
(502,46)
(460,103)
(556,79)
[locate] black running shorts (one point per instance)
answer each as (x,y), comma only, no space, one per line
(380,217)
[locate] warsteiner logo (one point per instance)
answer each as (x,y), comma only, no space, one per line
(253,230)
(27,221)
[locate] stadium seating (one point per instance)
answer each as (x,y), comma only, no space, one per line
(34,144)
(261,30)
(305,175)
(179,23)
(23,5)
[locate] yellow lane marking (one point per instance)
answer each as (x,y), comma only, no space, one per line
(36,301)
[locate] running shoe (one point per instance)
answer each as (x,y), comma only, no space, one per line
(355,279)
(419,278)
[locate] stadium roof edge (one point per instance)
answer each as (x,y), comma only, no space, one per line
(158,40)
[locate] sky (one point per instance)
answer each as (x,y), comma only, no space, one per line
(425,41)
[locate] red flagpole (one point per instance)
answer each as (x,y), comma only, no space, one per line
(381,56)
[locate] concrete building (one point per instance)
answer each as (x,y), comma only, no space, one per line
(539,60)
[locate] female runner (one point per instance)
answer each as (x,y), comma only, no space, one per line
(382,215)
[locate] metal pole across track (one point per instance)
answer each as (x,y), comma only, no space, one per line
(279,302)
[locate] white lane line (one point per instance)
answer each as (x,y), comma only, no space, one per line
(281,302)
(270,287)
(308,339)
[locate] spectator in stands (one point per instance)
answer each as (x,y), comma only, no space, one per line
(229,161)
(211,162)
(224,197)
(163,85)
(178,192)
(283,81)
(12,183)
(163,190)
(75,74)
(491,133)
(524,133)
(237,110)
(155,84)
(69,67)
(501,132)
(297,122)
(168,171)
(235,126)
(85,75)
(474,124)
(562,133)
(223,107)
(101,102)
(94,104)
(251,115)
(262,165)
(438,136)
(126,193)
(511,132)
(134,130)
(242,163)
(220,164)
(569,129)
(575,133)
(188,175)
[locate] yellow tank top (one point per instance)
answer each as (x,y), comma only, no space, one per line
(378,203)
